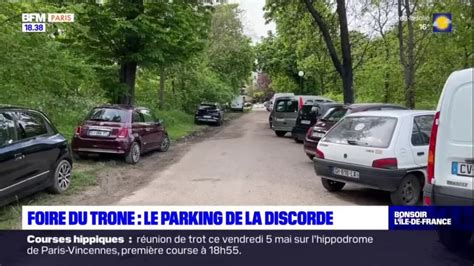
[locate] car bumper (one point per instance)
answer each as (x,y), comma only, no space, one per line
(382,179)
(310,146)
(441,195)
(112,146)
(202,119)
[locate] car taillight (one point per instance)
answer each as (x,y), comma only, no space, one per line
(319,154)
(387,163)
(308,133)
(123,133)
(78,130)
(432,149)
(427,200)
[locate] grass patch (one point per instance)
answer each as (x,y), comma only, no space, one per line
(178,123)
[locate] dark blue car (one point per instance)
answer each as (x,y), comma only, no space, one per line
(33,155)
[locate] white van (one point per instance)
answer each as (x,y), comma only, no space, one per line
(450,171)
(238,103)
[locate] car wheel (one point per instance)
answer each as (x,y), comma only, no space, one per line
(219,122)
(331,185)
(310,156)
(408,192)
(61,177)
(454,239)
(280,133)
(133,156)
(165,144)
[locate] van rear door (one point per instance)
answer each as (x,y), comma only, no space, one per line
(286,112)
(454,161)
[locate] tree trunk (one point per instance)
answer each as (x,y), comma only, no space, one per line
(386,79)
(161,93)
(408,59)
(347,77)
(127,76)
(345,68)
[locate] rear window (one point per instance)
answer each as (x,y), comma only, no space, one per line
(308,109)
(108,115)
(334,114)
(366,131)
(207,107)
(286,106)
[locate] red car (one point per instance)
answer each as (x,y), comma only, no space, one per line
(118,129)
(333,115)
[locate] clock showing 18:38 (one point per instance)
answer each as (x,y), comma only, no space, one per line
(33,27)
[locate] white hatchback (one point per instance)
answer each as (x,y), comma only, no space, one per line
(385,150)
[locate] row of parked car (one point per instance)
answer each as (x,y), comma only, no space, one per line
(387,146)
(35,156)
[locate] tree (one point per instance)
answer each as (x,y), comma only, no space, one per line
(133,33)
(229,52)
(344,66)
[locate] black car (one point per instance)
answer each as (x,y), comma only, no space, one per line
(308,116)
(209,113)
(33,155)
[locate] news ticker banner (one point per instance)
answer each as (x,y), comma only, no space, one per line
(246,217)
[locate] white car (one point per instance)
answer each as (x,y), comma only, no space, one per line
(451,152)
(385,150)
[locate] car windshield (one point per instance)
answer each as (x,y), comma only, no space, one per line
(369,131)
(334,114)
(108,115)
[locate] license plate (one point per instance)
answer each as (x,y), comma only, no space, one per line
(99,133)
(463,169)
(345,172)
(207,116)
(317,134)
(305,122)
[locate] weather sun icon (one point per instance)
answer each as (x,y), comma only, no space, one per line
(442,22)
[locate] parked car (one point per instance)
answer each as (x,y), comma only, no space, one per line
(385,150)
(450,171)
(33,155)
(308,116)
(275,97)
(284,114)
(120,129)
(209,113)
(238,103)
(328,120)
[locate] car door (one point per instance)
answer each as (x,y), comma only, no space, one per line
(153,128)
(286,113)
(420,138)
(36,149)
(139,129)
(11,164)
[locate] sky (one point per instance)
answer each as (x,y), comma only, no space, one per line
(253,20)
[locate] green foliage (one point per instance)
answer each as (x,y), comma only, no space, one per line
(378,74)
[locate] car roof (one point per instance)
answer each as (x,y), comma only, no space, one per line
(208,103)
(121,106)
(393,113)
(13,107)
(358,106)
